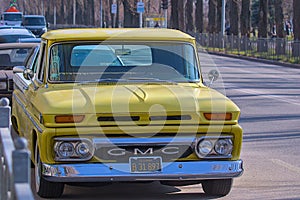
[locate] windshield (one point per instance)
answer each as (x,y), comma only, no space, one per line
(34,21)
(12,17)
(145,61)
(13,38)
(11,57)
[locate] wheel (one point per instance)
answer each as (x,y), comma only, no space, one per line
(43,187)
(219,187)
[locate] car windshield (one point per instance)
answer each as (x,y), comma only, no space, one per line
(34,21)
(11,57)
(13,38)
(12,17)
(123,61)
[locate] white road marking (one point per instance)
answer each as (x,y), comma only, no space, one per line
(275,97)
(286,165)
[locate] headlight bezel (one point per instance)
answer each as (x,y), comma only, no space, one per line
(3,85)
(75,142)
(214,154)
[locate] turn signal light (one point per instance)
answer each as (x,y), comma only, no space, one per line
(218,116)
(69,118)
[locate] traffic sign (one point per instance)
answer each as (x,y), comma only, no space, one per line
(140,7)
(114,8)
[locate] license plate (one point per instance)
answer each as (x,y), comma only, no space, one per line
(145,164)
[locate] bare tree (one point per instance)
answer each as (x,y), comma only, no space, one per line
(212,12)
(262,45)
(279,30)
(234,17)
(130,14)
(263,19)
(174,14)
(279,19)
(245,18)
(296,20)
(296,28)
(199,16)
(189,9)
(219,16)
(181,16)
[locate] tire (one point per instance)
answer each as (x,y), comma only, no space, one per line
(43,187)
(220,187)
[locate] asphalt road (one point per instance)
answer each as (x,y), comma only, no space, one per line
(269,98)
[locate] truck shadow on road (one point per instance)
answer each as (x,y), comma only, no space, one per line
(134,191)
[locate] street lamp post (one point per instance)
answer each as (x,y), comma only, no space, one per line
(101,19)
(74,12)
(223,22)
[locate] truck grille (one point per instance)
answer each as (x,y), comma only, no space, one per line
(121,149)
(10,85)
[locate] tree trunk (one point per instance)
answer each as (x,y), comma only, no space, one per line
(181,16)
(189,6)
(296,19)
(280,41)
(219,16)
(199,16)
(130,15)
(234,17)
(262,45)
(212,27)
(245,18)
(174,15)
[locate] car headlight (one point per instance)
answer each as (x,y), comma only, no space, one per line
(212,147)
(204,147)
(72,149)
(83,149)
(3,85)
(223,147)
(65,149)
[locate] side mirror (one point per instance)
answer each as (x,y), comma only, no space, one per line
(213,75)
(18,69)
(28,74)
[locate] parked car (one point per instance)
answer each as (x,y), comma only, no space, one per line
(8,35)
(29,40)
(36,24)
(125,105)
(11,55)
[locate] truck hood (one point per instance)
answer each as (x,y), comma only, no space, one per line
(133,100)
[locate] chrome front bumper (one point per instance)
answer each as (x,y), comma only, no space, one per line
(115,172)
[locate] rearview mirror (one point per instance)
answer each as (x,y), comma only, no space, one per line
(18,69)
(28,74)
(213,75)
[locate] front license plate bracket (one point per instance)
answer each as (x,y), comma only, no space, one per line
(145,164)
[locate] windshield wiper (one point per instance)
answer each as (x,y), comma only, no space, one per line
(152,80)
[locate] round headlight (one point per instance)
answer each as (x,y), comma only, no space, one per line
(3,85)
(204,147)
(223,147)
(82,149)
(66,149)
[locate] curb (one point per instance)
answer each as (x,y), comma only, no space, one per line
(272,62)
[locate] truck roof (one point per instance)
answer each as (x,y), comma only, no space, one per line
(94,34)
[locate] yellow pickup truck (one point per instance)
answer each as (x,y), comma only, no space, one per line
(125,105)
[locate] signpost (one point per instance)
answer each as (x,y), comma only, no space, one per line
(140,7)
(114,8)
(114,12)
